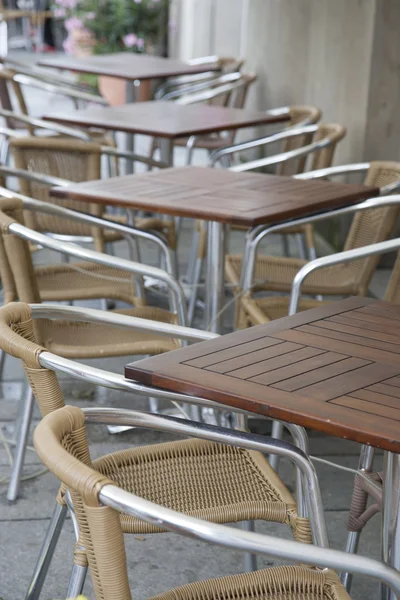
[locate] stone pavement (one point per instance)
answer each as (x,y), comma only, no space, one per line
(156,563)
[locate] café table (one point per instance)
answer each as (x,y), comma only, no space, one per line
(333,369)
(222,198)
(167,121)
(128,66)
(133,68)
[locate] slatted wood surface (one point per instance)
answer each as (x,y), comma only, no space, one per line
(218,194)
(125,65)
(335,369)
(166,119)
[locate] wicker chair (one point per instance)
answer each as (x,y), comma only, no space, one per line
(98,496)
(71,160)
(319,152)
(276,274)
(230,89)
(205,479)
(101,277)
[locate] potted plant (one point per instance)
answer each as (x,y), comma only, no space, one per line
(108,26)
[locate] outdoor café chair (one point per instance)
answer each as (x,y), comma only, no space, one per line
(373,221)
(230,89)
(98,498)
(100,276)
(73,160)
(203,478)
(320,151)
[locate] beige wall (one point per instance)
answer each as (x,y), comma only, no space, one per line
(342,55)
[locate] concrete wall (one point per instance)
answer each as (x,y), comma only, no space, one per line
(342,55)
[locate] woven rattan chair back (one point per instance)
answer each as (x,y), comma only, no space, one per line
(375,225)
(299,115)
(320,159)
(10,88)
(61,442)
(392,293)
(68,159)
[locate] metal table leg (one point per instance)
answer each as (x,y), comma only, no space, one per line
(130,138)
(390,516)
(215,276)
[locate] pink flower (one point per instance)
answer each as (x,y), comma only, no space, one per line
(130,40)
(140,43)
(67,3)
(68,45)
(59,12)
(73,23)
(90,16)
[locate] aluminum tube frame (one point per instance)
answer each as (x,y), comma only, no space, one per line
(289,132)
(332,171)
(335,259)
(353,537)
(46,124)
(238,439)
(107,260)
(93,315)
(31,176)
(62,89)
(391,514)
(203,91)
(256,235)
(215,279)
(67,213)
(247,541)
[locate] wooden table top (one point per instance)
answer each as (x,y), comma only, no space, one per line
(335,369)
(126,65)
(247,199)
(166,119)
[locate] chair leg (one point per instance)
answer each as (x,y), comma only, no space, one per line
(193,296)
(277,433)
(20,448)
(250,560)
(154,405)
(285,245)
(77,581)
(46,552)
(301,244)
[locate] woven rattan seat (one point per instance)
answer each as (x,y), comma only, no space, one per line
(277,273)
(276,583)
(211,481)
(257,310)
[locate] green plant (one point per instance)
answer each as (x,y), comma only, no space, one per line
(106,26)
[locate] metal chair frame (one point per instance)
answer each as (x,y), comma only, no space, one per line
(319,555)
(116,381)
(289,133)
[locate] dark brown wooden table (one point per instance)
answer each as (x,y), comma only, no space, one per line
(221,197)
(334,369)
(166,120)
(126,65)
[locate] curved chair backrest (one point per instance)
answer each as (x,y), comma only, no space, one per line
(375,225)
(63,157)
(61,442)
(300,116)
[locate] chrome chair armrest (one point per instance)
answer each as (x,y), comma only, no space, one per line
(80,253)
(204,86)
(332,171)
(7,132)
(256,235)
(128,231)
(246,541)
(114,319)
(336,259)
(110,151)
(31,176)
(48,124)
(59,89)
(236,438)
(282,157)
(289,132)
(175,82)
